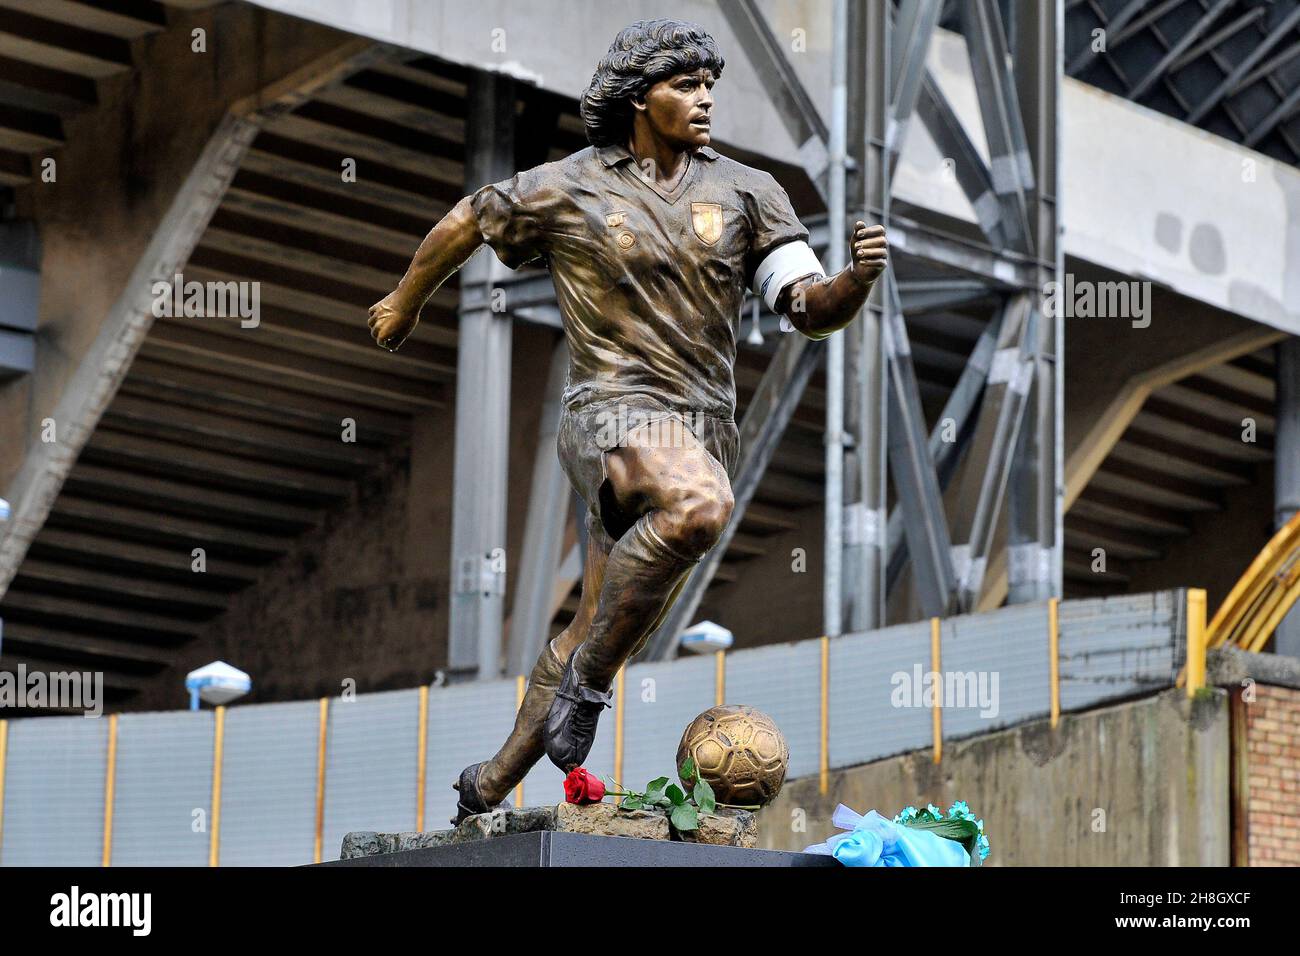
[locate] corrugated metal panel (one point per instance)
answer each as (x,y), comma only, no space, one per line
(1119,646)
(268,790)
(783,681)
(164,774)
(1110,648)
(370,766)
(1004,658)
(865,670)
(54,792)
(661,699)
(467,723)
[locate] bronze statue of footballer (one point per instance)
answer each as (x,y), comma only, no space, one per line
(651,238)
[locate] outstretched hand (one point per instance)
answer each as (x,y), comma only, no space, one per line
(392,319)
(870,252)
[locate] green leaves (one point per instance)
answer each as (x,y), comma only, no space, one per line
(965,832)
(704,798)
(684,816)
(654,793)
(684,808)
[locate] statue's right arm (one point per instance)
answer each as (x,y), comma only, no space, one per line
(444,250)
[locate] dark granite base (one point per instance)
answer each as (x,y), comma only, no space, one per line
(544,849)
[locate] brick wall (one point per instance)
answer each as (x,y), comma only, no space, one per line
(1273,776)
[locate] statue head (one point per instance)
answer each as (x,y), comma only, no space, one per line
(660,70)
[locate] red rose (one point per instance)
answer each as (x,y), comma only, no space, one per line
(580,786)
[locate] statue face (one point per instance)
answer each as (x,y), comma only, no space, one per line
(680,108)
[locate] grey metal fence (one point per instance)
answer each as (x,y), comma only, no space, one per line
(277,800)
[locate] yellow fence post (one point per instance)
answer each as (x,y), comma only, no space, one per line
(110,779)
(719,678)
(520,684)
(824,760)
(421,743)
(935,662)
(4,754)
(321,734)
(618,732)
(218,753)
(1054,655)
(1195,640)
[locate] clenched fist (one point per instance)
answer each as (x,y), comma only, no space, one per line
(870,252)
(392,319)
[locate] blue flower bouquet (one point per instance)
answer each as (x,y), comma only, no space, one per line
(913,838)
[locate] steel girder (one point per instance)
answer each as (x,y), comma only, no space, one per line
(969,168)
(1011,168)
(1036,493)
(548,513)
(996,436)
(916,482)
(956,417)
(793,104)
(478,529)
(1140,88)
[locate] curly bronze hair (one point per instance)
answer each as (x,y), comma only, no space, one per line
(641,55)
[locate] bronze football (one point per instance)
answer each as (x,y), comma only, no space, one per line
(740,751)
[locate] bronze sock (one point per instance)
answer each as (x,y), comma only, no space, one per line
(523,747)
(641,576)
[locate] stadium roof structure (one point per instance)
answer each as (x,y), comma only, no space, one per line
(1231,67)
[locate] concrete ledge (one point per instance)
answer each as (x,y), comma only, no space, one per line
(1140,783)
(1230,666)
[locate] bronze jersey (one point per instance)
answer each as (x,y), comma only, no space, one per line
(650,282)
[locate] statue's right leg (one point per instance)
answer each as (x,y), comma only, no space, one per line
(490,782)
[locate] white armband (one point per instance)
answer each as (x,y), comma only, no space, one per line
(783,265)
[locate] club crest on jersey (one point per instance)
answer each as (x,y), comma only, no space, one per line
(706,219)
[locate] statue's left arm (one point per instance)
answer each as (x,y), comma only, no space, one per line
(820,305)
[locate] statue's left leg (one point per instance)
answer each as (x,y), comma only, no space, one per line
(683,496)
(484,785)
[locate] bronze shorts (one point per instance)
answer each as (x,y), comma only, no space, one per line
(588,431)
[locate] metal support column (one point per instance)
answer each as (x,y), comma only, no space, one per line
(1036,495)
(478,562)
(863,445)
(832,587)
(548,514)
(1286,451)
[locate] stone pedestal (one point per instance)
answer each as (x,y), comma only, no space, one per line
(551,848)
(733,828)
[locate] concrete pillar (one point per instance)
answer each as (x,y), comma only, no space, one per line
(1286,495)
